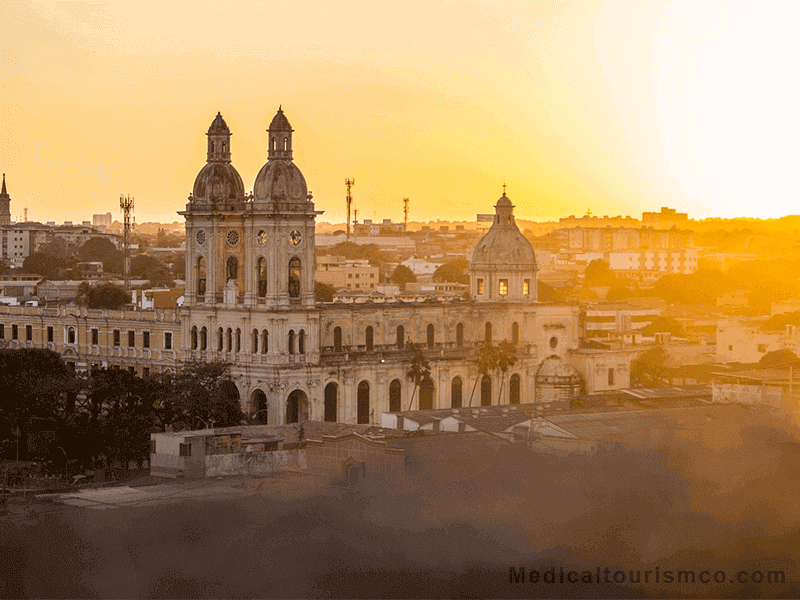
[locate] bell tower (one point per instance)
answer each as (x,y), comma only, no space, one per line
(5,205)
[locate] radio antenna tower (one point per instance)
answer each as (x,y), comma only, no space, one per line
(126,206)
(349,183)
(405,214)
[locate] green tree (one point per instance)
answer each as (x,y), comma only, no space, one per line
(454,271)
(599,273)
(107,296)
(486,360)
(403,275)
(100,249)
(83,291)
(664,324)
(506,358)
(205,391)
(420,368)
(142,265)
(46,265)
(323,291)
(649,369)
(778,358)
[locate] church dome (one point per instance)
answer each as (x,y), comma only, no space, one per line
(280,179)
(503,245)
(218,125)
(557,370)
(280,122)
(219,180)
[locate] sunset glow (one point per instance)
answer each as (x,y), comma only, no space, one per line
(618,107)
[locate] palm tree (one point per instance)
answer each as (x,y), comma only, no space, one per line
(506,358)
(83,290)
(420,368)
(485,361)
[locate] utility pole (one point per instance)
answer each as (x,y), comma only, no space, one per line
(126,206)
(405,214)
(349,183)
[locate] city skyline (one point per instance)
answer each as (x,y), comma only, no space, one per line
(622,110)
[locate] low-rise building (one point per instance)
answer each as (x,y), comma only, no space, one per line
(347,274)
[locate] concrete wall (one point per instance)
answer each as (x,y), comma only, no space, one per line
(748,394)
(333,456)
(255,463)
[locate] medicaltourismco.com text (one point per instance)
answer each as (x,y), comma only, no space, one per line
(654,576)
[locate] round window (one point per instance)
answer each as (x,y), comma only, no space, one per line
(233,238)
(295,238)
(553,342)
(262,237)
(200,236)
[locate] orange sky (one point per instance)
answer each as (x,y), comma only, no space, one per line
(617,106)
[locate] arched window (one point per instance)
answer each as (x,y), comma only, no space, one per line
(203,338)
(233,267)
(369,338)
(401,337)
(337,339)
(255,341)
(301,341)
(71,335)
(194,338)
(514,333)
(294,277)
(220,336)
(488,335)
(395,391)
(212,146)
(274,144)
(264,341)
(291,341)
(201,276)
(430,339)
(238,340)
(230,339)
(260,407)
(514,389)
(223,146)
(331,400)
(285,144)
(455,392)
(426,394)
(363,403)
(486,391)
(460,334)
(261,277)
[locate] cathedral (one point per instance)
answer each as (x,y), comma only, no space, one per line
(249,301)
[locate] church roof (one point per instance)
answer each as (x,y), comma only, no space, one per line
(280,122)
(504,243)
(218,125)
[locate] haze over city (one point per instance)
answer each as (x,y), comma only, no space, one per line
(617,107)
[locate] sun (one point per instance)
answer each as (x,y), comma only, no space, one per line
(746,121)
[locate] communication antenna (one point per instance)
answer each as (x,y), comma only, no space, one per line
(126,206)
(349,183)
(405,214)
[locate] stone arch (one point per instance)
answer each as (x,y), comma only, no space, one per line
(395,396)
(203,338)
(201,276)
(514,390)
(264,341)
(486,390)
(194,337)
(290,342)
(337,339)
(301,342)
(426,391)
(259,408)
(297,406)
(295,272)
(331,402)
(220,339)
(363,407)
(456,392)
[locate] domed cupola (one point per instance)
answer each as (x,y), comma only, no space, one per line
(503,266)
(280,182)
(218,180)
